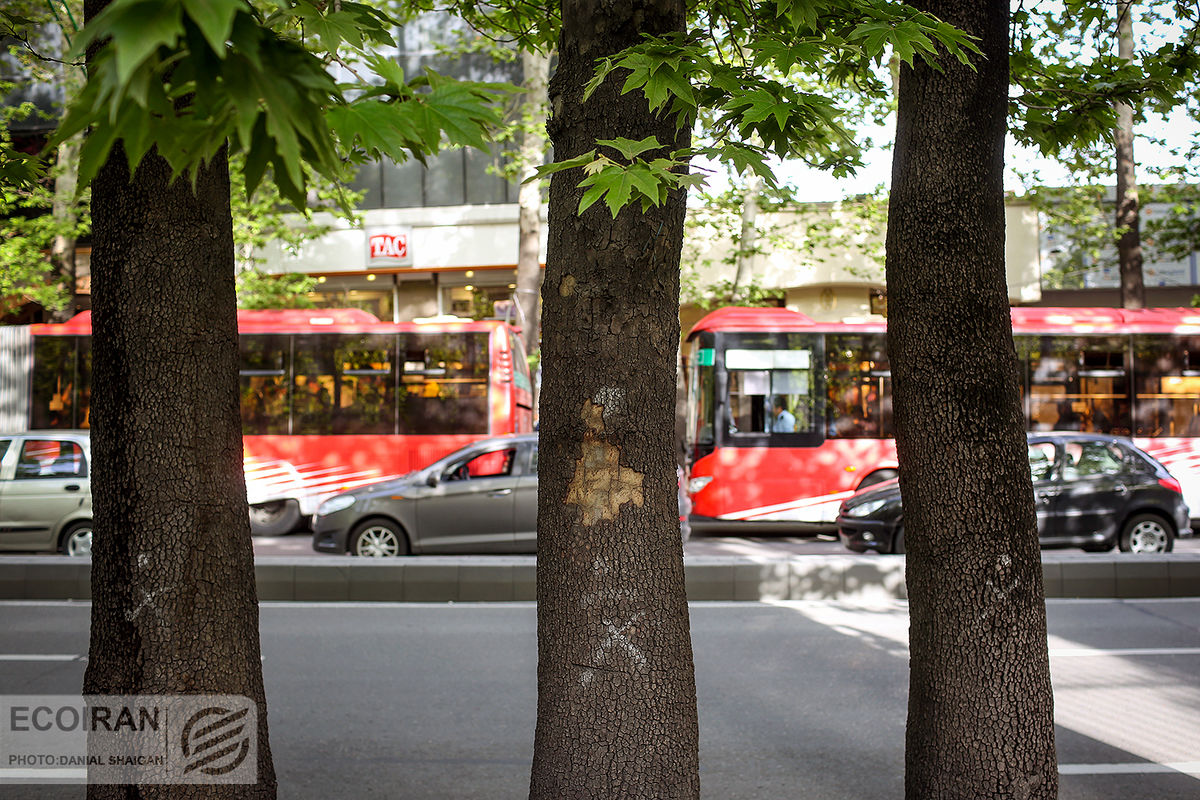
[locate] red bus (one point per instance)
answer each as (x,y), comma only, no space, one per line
(786,417)
(330,398)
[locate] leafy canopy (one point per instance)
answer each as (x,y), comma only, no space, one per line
(761,75)
(188,77)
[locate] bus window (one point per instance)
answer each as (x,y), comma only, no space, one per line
(444,383)
(62,383)
(263,381)
(343,384)
(365,401)
(859,381)
(1075,383)
(1167,387)
(772,387)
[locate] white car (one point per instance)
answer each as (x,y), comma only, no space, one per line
(45,492)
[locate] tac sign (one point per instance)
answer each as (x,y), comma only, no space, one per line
(389,248)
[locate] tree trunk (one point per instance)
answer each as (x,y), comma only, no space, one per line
(529,199)
(174,604)
(1128,222)
(64,207)
(980,719)
(616,690)
(748,239)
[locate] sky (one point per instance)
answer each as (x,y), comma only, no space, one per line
(1179,131)
(815,185)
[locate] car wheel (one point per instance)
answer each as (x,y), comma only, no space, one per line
(275,518)
(898,541)
(378,538)
(77,540)
(1147,533)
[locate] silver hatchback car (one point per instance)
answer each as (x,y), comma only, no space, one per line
(480,499)
(45,493)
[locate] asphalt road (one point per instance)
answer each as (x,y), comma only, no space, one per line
(796,700)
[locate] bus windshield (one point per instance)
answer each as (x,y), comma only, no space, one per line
(772,392)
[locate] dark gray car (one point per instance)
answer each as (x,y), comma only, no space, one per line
(1092,491)
(480,499)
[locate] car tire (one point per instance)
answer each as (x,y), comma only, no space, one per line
(378,538)
(77,540)
(1146,533)
(898,541)
(274,518)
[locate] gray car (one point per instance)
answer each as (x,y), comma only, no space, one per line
(479,499)
(45,493)
(1092,491)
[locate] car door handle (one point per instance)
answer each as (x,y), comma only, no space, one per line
(72,487)
(1121,488)
(500,493)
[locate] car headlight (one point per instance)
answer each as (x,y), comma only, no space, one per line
(865,509)
(335,504)
(696,484)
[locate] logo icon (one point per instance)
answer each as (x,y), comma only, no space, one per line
(385,245)
(216,740)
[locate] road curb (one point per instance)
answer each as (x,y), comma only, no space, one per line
(857,579)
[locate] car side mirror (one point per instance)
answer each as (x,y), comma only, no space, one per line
(431,481)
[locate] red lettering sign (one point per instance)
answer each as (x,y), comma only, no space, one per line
(389,245)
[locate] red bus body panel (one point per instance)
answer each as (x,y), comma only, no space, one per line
(310,468)
(806,484)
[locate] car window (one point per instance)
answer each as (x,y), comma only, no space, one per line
(1084,459)
(1041,460)
(533,460)
(47,458)
(492,464)
(4,444)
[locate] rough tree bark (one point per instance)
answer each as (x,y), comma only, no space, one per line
(1129,217)
(980,719)
(616,689)
(174,604)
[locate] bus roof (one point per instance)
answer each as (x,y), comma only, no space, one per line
(297,320)
(1025,319)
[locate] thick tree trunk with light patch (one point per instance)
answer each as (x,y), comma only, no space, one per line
(174,603)
(980,720)
(616,690)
